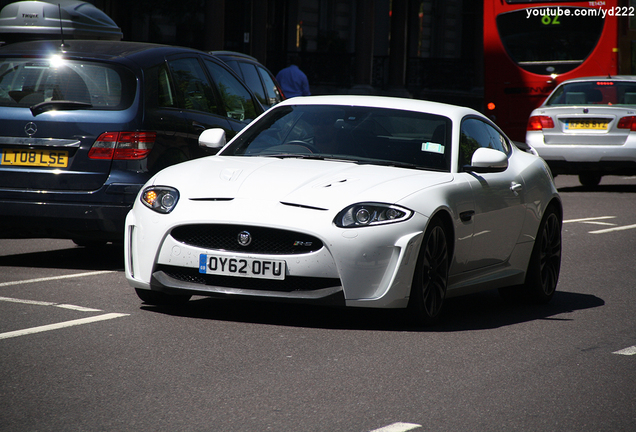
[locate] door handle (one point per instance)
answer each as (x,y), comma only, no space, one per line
(516,187)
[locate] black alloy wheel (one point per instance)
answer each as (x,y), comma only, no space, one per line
(545,262)
(430,280)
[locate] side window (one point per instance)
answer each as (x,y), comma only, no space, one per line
(272,94)
(253,81)
(235,98)
(474,134)
(497,141)
(192,85)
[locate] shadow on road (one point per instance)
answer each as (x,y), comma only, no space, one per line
(107,257)
(475,312)
(609,188)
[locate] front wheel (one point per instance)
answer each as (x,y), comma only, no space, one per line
(430,280)
(161,299)
(545,261)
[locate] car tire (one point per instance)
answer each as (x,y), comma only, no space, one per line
(430,279)
(545,262)
(590,179)
(161,299)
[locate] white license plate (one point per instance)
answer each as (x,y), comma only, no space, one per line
(242,267)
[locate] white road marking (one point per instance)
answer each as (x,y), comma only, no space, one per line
(620,228)
(398,427)
(43,303)
(596,221)
(3,284)
(61,325)
(627,351)
(590,220)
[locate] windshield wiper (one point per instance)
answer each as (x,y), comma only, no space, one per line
(58,105)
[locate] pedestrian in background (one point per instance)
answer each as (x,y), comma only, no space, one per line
(292,80)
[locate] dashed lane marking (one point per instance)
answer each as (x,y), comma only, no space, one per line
(620,228)
(61,325)
(594,220)
(398,427)
(598,221)
(627,351)
(3,284)
(43,303)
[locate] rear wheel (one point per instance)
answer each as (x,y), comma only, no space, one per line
(590,179)
(161,299)
(545,261)
(430,280)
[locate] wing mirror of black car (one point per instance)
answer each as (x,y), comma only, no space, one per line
(212,138)
(487,160)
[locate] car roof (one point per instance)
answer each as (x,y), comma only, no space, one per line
(234,55)
(447,110)
(93,49)
(601,78)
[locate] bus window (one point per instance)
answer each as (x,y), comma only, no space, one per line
(545,44)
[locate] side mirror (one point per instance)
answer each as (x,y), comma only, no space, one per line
(487,160)
(212,138)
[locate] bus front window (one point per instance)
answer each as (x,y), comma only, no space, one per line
(550,40)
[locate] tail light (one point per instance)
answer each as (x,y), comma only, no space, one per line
(540,123)
(122,145)
(628,122)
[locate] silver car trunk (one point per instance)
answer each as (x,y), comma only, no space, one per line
(576,125)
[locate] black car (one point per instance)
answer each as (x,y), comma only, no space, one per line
(258,78)
(85,124)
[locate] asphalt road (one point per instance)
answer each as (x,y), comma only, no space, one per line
(80,352)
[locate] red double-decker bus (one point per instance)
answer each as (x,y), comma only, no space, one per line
(530,46)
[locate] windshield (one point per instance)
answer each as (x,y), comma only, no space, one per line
(543,42)
(27,82)
(359,134)
(602,92)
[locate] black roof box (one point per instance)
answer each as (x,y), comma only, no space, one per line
(33,20)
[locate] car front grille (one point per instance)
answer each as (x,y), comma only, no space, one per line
(263,240)
(289,284)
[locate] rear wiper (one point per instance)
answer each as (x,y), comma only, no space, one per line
(58,105)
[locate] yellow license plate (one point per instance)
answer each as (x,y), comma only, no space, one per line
(587,124)
(31,157)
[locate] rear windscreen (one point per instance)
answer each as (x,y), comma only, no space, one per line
(551,39)
(598,92)
(27,81)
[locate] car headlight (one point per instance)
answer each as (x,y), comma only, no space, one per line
(366,214)
(161,199)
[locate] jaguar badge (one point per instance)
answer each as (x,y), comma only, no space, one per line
(244,238)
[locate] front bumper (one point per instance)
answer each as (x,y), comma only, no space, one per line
(367,267)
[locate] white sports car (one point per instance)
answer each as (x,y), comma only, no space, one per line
(354,201)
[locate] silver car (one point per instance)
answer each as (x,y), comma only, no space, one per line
(587,127)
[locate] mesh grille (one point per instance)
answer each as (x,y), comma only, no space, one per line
(289,284)
(264,240)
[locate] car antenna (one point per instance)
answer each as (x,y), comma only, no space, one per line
(59,8)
